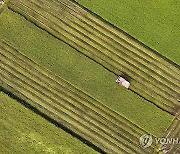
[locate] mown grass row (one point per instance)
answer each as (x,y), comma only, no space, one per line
(79,70)
(32,99)
(42,95)
(84,28)
(132,53)
(165,94)
(160,71)
(128,55)
(15,58)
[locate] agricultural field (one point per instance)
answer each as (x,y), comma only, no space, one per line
(63,60)
(108,47)
(23,130)
(155,23)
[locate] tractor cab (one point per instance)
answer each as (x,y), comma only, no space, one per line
(123,82)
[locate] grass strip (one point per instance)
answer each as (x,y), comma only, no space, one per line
(58,83)
(146,92)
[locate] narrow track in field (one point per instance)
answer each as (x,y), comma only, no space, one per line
(172,133)
(9,67)
(167,100)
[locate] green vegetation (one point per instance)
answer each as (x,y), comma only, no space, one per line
(109,47)
(110,123)
(156,23)
(81,72)
(23,131)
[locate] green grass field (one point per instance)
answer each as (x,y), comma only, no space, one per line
(155,23)
(94,79)
(63,61)
(23,131)
(115,51)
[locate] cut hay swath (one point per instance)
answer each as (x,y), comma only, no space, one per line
(109,47)
(66,104)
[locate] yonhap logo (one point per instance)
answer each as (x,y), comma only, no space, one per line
(145,141)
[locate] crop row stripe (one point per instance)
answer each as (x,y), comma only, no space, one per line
(56,31)
(49,82)
(61,91)
(70,116)
(61,104)
(104,38)
(44,25)
(90,30)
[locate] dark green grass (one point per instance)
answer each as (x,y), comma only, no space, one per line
(82,72)
(23,131)
(155,23)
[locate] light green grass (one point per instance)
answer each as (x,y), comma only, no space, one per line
(82,72)
(23,131)
(156,23)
